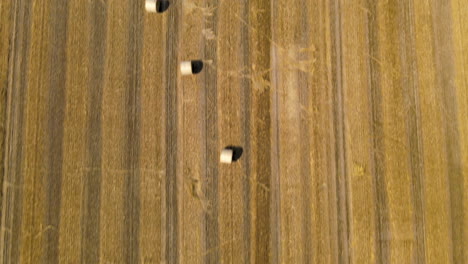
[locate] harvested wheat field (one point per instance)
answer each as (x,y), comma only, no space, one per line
(352,115)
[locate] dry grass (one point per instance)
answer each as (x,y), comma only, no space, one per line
(353,116)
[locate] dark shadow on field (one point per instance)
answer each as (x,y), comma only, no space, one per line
(162,5)
(197,66)
(237,152)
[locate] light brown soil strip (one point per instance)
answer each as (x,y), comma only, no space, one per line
(460,57)
(259,147)
(364,236)
(212,146)
(173,138)
(319,115)
(90,216)
(232,112)
(194,37)
(393,135)
(152,133)
(74,140)
(34,157)
(115,111)
(338,186)
(437,231)
(383,235)
(242,127)
(6,25)
(293,58)
(32,160)
(304,59)
(413,125)
(275,207)
(58,60)
(133,123)
(442,21)
(18,64)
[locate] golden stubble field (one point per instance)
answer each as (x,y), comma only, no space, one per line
(353,116)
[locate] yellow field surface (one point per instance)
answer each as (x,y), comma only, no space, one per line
(352,115)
